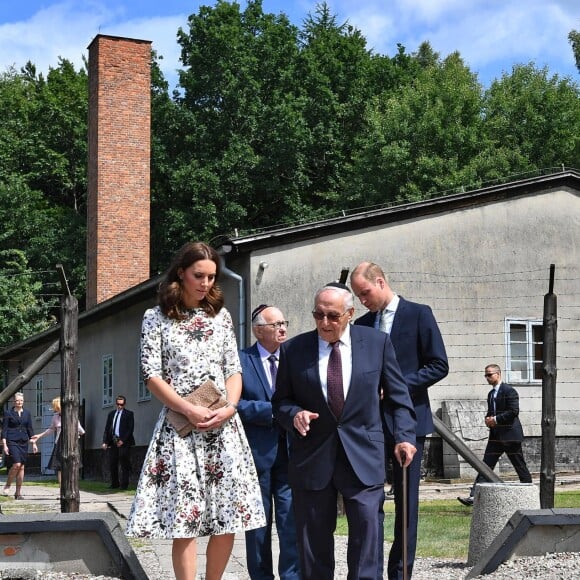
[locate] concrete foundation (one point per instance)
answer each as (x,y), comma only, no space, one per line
(494,504)
(531,533)
(83,543)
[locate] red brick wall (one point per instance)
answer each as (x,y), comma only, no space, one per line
(119,166)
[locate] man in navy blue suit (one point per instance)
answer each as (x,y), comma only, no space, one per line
(505,429)
(269,447)
(335,387)
(421,355)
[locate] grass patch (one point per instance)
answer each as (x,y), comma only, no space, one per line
(444,525)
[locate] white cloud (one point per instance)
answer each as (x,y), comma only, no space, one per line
(60,30)
(487,33)
(66,29)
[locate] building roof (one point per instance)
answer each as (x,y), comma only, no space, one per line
(340,224)
(383,215)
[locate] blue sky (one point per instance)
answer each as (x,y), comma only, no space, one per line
(491,35)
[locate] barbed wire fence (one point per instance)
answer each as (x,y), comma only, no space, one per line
(474,313)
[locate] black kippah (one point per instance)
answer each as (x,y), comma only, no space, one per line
(338,285)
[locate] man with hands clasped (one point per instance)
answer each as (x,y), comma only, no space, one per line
(269,447)
(334,388)
(118,438)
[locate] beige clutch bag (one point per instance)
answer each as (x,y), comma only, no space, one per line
(206,395)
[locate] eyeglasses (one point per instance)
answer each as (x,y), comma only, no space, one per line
(120,404)
(331,316)
(489,374)
(278,324)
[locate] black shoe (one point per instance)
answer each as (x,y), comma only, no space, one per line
(468,501)
(390,491)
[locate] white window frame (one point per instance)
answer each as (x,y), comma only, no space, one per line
(107,378)
(143,393)
(38,395)
(516,376)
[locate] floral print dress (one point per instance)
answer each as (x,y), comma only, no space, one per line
(205,483)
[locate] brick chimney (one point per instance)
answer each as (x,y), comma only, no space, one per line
(119,143)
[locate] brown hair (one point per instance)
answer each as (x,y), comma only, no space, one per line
(171,291)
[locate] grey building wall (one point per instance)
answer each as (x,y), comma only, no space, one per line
(475,265)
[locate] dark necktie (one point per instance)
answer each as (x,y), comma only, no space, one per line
(273,370)
(335,394)
(492,401)
(116,420)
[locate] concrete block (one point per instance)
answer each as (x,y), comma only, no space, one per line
(531,533)
(85,543)
(494,504)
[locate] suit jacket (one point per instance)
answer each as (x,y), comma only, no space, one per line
(420,353)
(359,429)
(255,410)
(126,425)
(507,409)
(17,428)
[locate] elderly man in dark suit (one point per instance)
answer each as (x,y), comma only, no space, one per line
(421,355)
(269,447)
(118,438)
(335,387)
(505,430)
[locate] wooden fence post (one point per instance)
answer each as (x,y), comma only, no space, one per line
(549,374)
(69,488)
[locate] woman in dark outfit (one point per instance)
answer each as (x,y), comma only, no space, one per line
(16,434)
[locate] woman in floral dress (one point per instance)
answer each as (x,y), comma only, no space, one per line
(203,484)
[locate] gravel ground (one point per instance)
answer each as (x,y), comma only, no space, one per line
(564,566)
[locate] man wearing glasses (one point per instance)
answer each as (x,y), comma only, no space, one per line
(505,429)
(335,387)
(118,439)
(269,447)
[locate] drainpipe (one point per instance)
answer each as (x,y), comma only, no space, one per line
(241,305)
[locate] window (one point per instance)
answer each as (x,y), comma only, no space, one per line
(107,380)
(38,396)
(143,393)
(525,350)
(79,380)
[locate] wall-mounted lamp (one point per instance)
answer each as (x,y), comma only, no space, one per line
(261,267)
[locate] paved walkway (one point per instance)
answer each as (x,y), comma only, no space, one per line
(155,555)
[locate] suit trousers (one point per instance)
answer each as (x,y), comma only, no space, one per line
(120,465)
(277,498)
(316,512)
(495,449)
(395,563)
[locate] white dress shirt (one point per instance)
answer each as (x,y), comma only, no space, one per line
(324,350)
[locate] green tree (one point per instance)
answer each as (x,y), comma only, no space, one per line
(234,160)
(21,312)
(536,116)
(574,38)
(43,147)
(421,136)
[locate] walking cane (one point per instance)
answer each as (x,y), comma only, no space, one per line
(405,538)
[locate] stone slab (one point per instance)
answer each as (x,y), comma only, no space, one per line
(90,543)
(531,533)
